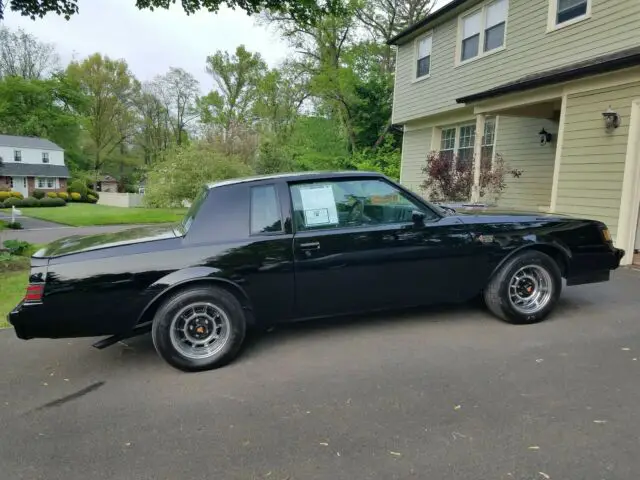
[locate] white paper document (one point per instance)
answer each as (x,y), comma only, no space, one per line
(319,205)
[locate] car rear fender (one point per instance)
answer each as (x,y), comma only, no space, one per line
(189,277)
(560,253)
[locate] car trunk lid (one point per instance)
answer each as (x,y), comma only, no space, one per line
(83,243)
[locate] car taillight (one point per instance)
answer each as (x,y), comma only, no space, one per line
(34,293)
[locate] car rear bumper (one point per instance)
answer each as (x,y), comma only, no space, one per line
(593,267)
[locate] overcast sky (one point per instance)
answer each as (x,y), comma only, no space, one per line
(151,42)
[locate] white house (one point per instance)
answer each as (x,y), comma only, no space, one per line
(32,163)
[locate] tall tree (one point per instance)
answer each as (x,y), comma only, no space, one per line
(303,9)
(22,55)
(321,44)
(237,78)
(385,18)
(110,88)
(179,91)
(154,134)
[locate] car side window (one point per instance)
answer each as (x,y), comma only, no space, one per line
(352,203)
(265,210)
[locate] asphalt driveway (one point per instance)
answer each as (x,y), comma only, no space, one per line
(445,393)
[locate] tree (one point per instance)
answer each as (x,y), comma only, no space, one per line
(110,89)
(154,134)
(303,9)
(385,18)
(237,78)
(22,55)
(184,171)
(179,91)
(41,108)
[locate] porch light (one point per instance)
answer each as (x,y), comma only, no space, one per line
(611,119)
(545,137)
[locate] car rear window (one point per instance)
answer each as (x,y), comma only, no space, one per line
(265,210)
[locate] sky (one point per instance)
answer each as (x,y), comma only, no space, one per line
(151,42)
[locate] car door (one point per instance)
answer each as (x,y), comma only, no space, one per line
(364,244)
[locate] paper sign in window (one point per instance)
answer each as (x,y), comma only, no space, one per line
(319,205)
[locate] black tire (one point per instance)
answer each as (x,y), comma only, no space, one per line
(497,292)
(229,312)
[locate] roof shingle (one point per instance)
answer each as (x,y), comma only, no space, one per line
(27,142)
(15,169)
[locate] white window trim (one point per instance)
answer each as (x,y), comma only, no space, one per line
(36,182)
(481,53)
(553,12)
(416,43)
(459,127)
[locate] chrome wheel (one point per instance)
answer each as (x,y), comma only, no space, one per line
(199,330)
(530,289)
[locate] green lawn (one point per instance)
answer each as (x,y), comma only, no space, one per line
(86,214)
(12,288)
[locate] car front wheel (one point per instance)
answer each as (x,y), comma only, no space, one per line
(200,328)
(525,289)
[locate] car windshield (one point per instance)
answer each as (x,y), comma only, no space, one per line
(190,216)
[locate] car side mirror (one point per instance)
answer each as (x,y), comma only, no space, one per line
(418,218)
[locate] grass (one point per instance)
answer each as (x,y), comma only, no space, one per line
(87,214)
(3,225)
(12,288)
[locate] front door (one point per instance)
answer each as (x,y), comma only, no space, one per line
(19,184)
(359,246)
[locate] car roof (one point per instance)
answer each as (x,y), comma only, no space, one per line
(298,176)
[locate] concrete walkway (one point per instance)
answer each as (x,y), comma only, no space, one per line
(50,234)
(29,223)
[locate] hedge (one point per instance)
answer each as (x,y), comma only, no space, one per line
(39,194)
(64,196)
(31,202)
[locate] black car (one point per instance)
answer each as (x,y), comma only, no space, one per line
(280,248)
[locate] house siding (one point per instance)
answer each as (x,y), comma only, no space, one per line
(592,160)
(529,49)
(517,142)
(416,145)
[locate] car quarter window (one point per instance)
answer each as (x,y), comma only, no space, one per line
(265,210)
(352,203)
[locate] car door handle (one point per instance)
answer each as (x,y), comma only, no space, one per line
(310,246)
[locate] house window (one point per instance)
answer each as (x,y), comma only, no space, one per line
(45,157)
(423,56)
(570,9)
(448,143)
(459,142)
(467,139)
(488,141)
(484,30)
(17,156)
(46,183)
(471,36)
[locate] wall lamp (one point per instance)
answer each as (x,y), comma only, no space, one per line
(611,119)
(545,137)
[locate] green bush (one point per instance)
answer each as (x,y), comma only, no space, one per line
(4,196)
(16,247)
(91,199)
(17,195)
(64,196)
(75,197)
(52,202)
(78,186)
(30,202)
(13,202)
(39,194)
(93,193)
(14,225)
(52,195)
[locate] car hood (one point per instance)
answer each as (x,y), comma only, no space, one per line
(83,243)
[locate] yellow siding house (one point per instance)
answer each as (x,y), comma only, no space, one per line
(494,74)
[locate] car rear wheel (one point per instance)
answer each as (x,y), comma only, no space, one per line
(525,289)
(199,329)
